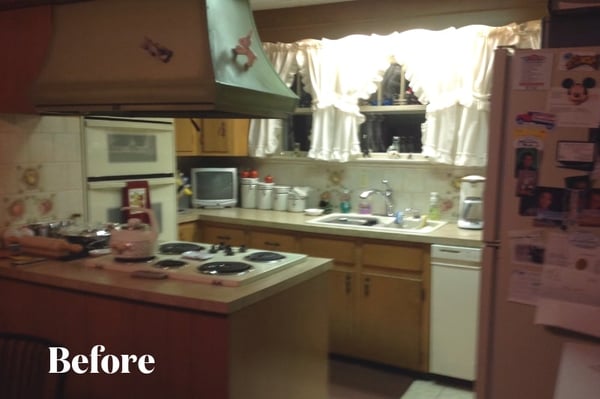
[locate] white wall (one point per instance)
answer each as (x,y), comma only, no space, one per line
(46,146)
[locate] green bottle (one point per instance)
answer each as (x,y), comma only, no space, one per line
(434,206)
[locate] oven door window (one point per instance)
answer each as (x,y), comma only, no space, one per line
(115,148)
(130,148)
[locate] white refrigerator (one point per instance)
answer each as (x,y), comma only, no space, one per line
(539,331)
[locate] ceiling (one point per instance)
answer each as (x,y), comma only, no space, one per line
(270,4)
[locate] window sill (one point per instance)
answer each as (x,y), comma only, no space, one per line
(374,158)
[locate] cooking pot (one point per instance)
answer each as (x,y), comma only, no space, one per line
(89,237)
(134,240)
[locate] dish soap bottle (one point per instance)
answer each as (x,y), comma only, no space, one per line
(434,206)
(345,206)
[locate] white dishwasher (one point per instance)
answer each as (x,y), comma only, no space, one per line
(455,273)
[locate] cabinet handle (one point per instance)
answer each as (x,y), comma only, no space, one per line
(224,238)
(222,130)
(348,283)
(271,244)
(367,286)
(199,131)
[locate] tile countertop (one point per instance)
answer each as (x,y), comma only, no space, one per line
(448,234)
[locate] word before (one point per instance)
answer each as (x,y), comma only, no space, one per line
(109,364)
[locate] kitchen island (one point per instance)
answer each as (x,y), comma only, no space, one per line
(266,339)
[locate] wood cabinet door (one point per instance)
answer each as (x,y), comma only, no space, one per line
(215,135)
(273,241)
(389,320)
(226,235)
(188,232)
(225,137)
(341,302)
(187,136)
(343,288)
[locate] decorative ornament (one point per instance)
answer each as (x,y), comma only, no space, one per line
(243,48)
(30,177)
(336,177)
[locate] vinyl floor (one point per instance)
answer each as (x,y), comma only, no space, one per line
(353,379)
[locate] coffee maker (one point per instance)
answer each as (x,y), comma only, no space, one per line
(470,211)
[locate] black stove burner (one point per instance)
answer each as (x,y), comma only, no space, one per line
(169,264)
(264,256)
(177,248)
(224,268)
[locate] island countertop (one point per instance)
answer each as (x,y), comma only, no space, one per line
(75,275)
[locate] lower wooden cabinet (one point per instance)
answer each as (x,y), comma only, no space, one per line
(273,241)
(378,302)
(389,320)
(378,295)
(188,232)
(342,303)
(226,234)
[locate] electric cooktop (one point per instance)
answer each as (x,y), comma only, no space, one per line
(216,264)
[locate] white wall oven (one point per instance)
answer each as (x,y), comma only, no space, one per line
(131,162)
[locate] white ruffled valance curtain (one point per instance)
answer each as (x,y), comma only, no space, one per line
(264,137)
(337,73)
(451,71)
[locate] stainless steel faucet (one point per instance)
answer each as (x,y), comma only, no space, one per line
(387,195)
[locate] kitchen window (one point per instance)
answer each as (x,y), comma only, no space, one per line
(387,117)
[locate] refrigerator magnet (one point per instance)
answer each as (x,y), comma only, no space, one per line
(576,154)
(590,214)
(526,171)
(576,103)
(547,205)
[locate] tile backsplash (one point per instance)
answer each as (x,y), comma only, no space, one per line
(411,182)
(40,168)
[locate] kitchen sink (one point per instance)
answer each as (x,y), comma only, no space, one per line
(357,221)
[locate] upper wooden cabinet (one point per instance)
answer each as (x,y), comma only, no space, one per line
(25,37)
(211,137)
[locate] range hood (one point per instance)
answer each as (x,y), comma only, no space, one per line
(176,58)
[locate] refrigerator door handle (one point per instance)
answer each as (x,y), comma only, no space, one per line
(495,174)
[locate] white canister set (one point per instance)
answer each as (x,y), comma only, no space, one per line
(268,195)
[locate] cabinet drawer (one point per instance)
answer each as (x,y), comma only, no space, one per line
(341,251)
(218,234)
(273,241)
(393,256)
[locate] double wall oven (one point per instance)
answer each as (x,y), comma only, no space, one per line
(130,162)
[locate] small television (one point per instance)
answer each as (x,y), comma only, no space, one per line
(214,187)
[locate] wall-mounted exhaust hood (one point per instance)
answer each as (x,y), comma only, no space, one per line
(176,58)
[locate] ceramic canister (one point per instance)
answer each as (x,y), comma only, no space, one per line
(248,191)
(296,202)
(280,197)
(264,196)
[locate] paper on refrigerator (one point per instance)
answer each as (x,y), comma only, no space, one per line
(579,372)
(569,295)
